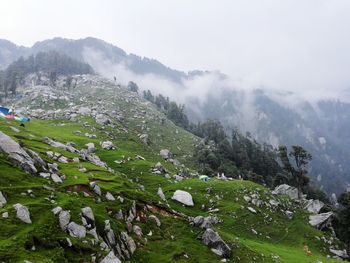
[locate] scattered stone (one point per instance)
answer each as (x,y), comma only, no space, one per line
(56,210)
(45,175)
(183,197)
(64,218)
(3,200)
(96,188)
(144,138)
(111,258)
(102,119)
(128,241)
(251,209)
(5,215)
(165,154)
(90,147)
(108,145)
(156,219)
(23,213)
(56,178)
(110,197)
(76,230)
(215,243)
(161,194)
(138,231)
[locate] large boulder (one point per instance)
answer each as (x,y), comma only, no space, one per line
(313,206)
(215,243)
(23,213)
(183,197)
(111,258)
(285,189)
(320,220)
(16,154)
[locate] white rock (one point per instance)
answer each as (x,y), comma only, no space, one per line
(76,230)
(161,194)
(111,258)
(108,145)
(183,197)
(285,189)
(340,253)
(23,213)
(251,209)
(64,218)
(316,220)
(90,147)
(56,178)
(5,215)
(110,197)
(314,206)
(56,210)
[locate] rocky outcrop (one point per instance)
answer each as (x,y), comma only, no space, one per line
(320,220)
(16,154)
(288,190)
(183,197)
(22,213)
(313,206)
(213,240)
(341,254)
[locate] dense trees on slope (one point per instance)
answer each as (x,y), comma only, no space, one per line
(172,110)
(51,63)
(296,168)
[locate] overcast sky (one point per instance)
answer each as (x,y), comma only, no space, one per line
(284,44)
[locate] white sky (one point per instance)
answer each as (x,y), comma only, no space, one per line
(284,44)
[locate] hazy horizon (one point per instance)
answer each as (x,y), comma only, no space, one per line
(291,45)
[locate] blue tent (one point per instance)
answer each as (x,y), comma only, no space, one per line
(4,110)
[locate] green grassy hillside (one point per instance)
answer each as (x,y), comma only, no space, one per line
(265,236)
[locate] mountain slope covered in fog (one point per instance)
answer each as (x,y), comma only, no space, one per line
(319,124)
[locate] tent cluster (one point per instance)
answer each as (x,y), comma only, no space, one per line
(6,113)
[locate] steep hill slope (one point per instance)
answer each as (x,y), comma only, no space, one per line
(122,184)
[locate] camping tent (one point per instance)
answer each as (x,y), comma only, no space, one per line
(204,178)
(4,110)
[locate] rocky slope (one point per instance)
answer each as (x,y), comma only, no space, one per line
(99,175)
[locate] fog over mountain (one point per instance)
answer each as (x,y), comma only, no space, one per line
(316,120)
